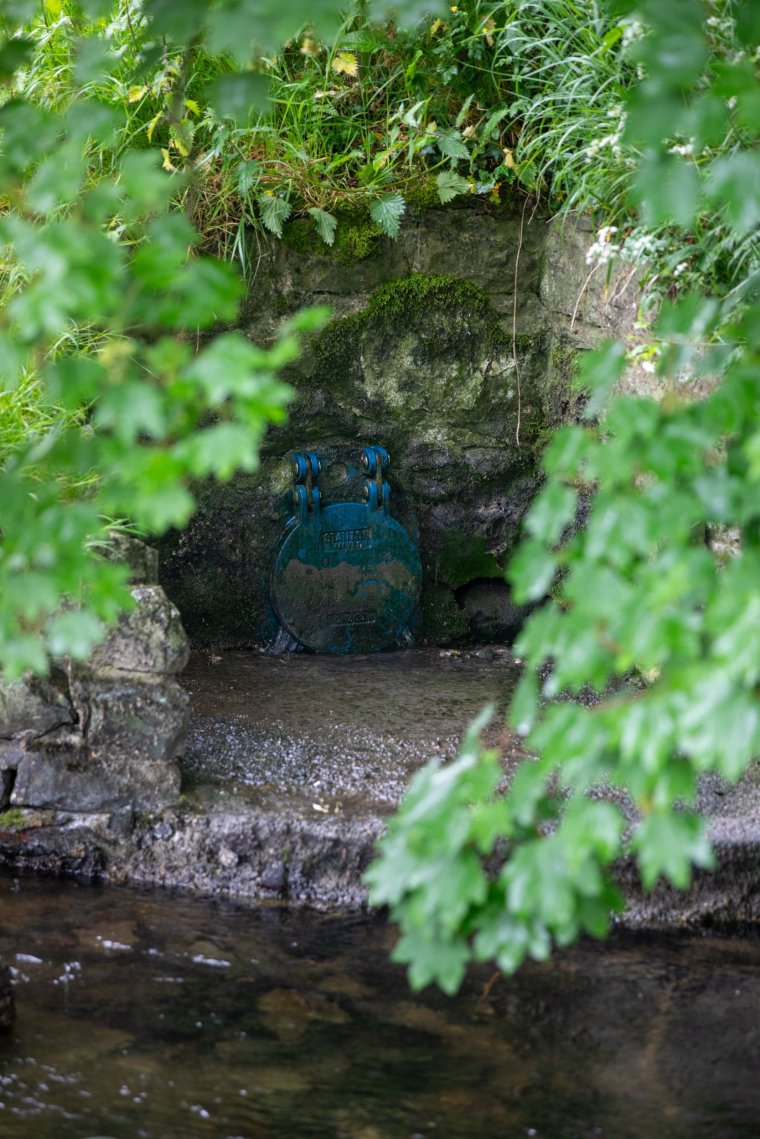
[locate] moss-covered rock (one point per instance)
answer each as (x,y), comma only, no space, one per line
(357,237)
(438,351)
(443,621)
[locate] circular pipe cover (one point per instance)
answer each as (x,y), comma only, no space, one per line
(346,579)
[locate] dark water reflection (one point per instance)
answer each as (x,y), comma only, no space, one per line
(143,1015)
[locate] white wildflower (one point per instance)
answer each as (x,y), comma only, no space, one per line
(597,145)
(633,30)
(604,248)
(685,149)
(724,25)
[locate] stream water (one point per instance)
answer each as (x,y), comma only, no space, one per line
(150,1016)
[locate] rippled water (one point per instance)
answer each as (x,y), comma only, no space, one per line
(146,1015)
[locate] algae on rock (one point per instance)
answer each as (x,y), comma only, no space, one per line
(443,350)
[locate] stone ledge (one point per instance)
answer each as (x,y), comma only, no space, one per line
(292,766)
(256,854)
(104,734)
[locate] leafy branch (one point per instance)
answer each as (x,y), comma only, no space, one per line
(643,666)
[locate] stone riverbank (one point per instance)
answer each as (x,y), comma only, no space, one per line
(292,765)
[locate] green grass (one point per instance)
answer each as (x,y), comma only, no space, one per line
(498,100)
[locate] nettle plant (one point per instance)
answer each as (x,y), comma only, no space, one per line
(649,620)
(475,99)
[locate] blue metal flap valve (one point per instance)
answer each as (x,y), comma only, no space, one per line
(306,493)
(371,495)
(305,466)
(377,495)
(347,575)
(305,499)
(374,459)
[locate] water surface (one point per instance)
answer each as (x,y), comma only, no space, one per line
(166,1017)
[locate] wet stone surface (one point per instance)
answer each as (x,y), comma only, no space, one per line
(344,732)
(291,766)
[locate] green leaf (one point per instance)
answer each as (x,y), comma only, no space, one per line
(56,181)
(74,380)
(675,51)
(552,512)
(12,361)
(22,653)
(179,23)
(451,145)
(668,844)
(74,633)
(28,133)
(600,372)
(667,190)
(706,121)
(531,571)
(268,24)
(432,959)
(130,410)
(747,18)
(163,254)
(14,13)
(388,212)
(231,32)
(450,184)
(156,510)
(89,119)
(95,9)
(564,455)
(145,187)
(274,212)
(219,451)
(225,367)
(325,223)
(14,54)
(247,175)
(204,293)
(692,317)
(733,182)
(648,106)
(524,703)
(238,96)
(94,60)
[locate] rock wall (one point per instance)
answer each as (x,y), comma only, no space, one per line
(105,734)
(454,347)
(7,1001)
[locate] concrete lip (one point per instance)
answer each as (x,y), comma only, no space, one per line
(294,762)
